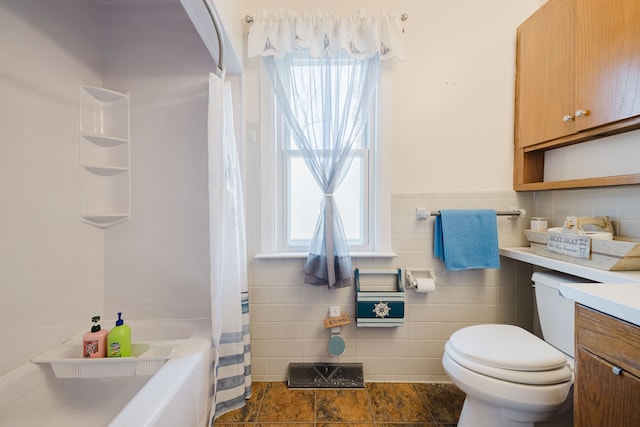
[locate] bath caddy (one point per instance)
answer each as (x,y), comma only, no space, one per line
(618,254)
(381,302)
(146,359)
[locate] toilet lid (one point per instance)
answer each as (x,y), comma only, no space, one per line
(498,348)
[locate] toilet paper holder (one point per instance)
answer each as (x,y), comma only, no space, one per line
(411,276)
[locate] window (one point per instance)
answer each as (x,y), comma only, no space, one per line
(291,199)
(301,197)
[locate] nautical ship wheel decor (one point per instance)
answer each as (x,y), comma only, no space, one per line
(381,309)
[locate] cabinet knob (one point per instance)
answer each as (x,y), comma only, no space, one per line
(616,370)
(580,113)
(567,118)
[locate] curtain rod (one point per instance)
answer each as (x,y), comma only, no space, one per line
(216,25)
(249,19)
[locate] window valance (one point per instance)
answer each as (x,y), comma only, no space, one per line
(277,32)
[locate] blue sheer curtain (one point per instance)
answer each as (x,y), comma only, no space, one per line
(326,103)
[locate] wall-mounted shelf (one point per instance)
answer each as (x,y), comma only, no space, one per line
(105,170)
(105,156)
(105,141)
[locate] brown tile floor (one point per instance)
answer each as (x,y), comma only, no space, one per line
(378,404)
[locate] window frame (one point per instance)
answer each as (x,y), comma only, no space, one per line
(378,180)
(284,155)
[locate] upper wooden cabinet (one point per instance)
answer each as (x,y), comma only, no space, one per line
(545,75)
(607,61)
(577,79)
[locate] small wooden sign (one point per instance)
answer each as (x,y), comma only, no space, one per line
(570,244)
(332,322)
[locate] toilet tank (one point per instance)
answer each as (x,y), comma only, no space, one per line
(555,312)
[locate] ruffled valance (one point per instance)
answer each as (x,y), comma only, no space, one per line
(277,32)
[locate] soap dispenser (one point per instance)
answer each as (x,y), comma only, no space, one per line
(94,343)
(120,339)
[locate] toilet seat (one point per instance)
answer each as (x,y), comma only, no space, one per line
(508,353)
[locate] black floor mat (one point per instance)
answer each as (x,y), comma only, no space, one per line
(325,375)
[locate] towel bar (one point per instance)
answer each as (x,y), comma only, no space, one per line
(516,212)
(513,213)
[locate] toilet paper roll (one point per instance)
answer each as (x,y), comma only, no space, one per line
(425,285)
(539,224)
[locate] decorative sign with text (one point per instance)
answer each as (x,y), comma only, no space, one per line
(570,244)
(332,322)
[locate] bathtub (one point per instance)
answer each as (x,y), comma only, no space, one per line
(178,394)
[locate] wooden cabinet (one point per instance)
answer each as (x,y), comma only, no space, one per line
(607,383)
(607,61)
(577,79)
(545,74)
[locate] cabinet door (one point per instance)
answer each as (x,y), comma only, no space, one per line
(603,398)
(607,61)
(545,74)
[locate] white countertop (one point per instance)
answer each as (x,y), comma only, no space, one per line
(525,254)
(616,294)
(621,300)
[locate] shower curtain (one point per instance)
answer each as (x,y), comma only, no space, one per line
(229,282)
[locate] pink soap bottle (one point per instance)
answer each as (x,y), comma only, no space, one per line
(94,343)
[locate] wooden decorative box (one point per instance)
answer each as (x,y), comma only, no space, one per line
(617,254)
(380,301)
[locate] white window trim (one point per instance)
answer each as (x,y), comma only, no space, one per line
(382,179)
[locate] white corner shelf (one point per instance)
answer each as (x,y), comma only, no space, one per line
(105,170)
(103,95)
(146,358)
(105,141)
(105,156)
(105,220)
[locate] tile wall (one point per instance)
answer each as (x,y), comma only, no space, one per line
(621,204)
(287,316)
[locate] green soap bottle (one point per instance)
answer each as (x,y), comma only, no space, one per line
(119,339)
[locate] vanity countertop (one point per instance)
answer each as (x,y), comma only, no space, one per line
(621,300)
(616,294)
(526,254)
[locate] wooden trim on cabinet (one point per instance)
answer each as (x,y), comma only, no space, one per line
(528,169)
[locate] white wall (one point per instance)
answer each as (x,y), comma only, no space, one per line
(453,95)
(56,271)
(452,139)
(51,264)
(452,129)
(287,316)
(452,146)
(157,264)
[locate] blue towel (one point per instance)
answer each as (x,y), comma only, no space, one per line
(466,239)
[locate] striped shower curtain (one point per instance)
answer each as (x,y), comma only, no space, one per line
(229,282)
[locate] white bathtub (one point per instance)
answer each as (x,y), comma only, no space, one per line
(178,394)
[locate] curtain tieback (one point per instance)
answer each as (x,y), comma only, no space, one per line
(328,195)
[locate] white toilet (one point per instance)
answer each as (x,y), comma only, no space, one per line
(511,377)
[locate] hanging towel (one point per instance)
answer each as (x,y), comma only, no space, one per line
(466,239)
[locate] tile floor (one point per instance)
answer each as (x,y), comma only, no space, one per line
(377,405)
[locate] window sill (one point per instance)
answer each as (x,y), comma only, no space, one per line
(299,255)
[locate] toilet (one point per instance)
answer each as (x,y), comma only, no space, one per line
(511,377)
